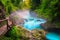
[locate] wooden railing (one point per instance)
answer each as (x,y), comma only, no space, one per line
(7,23)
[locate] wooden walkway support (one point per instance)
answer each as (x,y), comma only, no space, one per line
(6,27)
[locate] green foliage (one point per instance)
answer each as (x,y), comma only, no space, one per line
(48,9)
(34,4)
(5,38)
(11,5)
(16,33)
(13,33)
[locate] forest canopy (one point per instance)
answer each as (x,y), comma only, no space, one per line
(48,9)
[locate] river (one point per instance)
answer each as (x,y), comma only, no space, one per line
(31,22)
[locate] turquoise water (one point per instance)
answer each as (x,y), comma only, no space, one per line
(33,23)
(52,36)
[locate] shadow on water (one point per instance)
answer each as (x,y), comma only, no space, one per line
(55,30)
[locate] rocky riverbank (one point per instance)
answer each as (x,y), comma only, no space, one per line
(33,35)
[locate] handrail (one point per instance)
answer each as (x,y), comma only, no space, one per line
(8,26)
(3,20)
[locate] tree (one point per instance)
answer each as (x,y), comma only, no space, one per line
(48,9)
